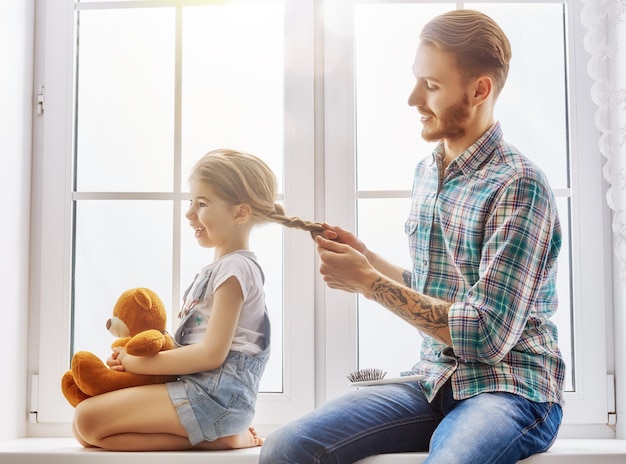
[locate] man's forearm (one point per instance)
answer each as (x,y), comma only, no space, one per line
(428,314)
(392,271)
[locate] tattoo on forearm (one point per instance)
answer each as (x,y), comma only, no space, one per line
(421,311)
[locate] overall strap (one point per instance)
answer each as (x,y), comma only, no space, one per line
(258,266)
(266,316)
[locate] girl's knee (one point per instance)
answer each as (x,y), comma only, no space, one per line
(85,425)
(79,437)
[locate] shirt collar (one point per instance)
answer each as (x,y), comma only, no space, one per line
(474,156)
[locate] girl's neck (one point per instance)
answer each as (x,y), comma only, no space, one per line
(222,251)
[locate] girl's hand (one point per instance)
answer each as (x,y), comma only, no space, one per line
(114,362)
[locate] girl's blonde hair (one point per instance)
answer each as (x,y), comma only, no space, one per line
(240,178)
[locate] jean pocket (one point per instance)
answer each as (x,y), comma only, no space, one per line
(237,417)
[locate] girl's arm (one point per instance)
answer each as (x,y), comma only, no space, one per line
(210,353)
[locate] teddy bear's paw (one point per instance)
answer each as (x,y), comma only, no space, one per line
(146,343)
(70,390)
(87,368)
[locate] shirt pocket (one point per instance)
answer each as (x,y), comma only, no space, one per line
(410,229)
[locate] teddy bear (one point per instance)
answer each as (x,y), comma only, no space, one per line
(139,322)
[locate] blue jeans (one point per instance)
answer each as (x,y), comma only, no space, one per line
(490,428)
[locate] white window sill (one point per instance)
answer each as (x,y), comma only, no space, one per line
(67,451)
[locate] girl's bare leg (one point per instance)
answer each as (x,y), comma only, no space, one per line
(131,419)
(142,419)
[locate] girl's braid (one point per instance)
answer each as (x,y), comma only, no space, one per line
(315,228)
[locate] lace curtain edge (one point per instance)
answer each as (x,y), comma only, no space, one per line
(605,21)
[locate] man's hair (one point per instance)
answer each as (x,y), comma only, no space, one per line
(238,178)
(477,41)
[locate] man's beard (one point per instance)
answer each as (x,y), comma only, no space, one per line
(449,123)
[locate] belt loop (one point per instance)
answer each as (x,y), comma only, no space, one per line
(241,362)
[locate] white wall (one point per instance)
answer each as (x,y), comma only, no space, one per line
(16,61)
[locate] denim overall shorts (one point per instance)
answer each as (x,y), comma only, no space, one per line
(221,402)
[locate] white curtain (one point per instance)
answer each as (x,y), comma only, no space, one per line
(605,40)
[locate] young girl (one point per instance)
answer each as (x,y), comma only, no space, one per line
(224,333)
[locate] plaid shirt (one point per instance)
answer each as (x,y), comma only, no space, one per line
(486,237)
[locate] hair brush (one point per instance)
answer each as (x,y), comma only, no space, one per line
(363,375)
(369,377)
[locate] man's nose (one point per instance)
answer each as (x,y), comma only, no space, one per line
(415,98)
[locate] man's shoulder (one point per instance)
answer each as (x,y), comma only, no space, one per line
(510,161)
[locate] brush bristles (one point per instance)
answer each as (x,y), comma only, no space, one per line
(363,375)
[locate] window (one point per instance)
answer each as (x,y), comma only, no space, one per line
(137,108)
(387,150)
(149,102)
(544,111)
(321,95)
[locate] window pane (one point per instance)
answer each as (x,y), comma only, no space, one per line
(232,96)
(395,348)
(532,106)
(267,243)
(389,142)
(388,132)
(563,316)
(233,81)
(119,244)
(125,100)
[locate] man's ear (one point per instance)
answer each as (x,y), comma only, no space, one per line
(243,213)
(483,86)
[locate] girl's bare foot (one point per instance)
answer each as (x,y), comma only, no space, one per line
(259,441)
(247,439)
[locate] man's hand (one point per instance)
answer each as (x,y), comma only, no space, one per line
(337,234)
(343,266)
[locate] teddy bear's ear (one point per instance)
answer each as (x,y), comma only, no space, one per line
(142,297)
(149,300)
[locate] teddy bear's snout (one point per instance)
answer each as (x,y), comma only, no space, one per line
(117,327)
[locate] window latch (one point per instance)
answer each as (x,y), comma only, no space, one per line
(40,100)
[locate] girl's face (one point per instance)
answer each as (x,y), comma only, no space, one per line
(213,219)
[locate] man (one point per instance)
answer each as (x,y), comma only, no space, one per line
(484,238)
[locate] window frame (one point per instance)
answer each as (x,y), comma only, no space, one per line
(51,274)
(320,324)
